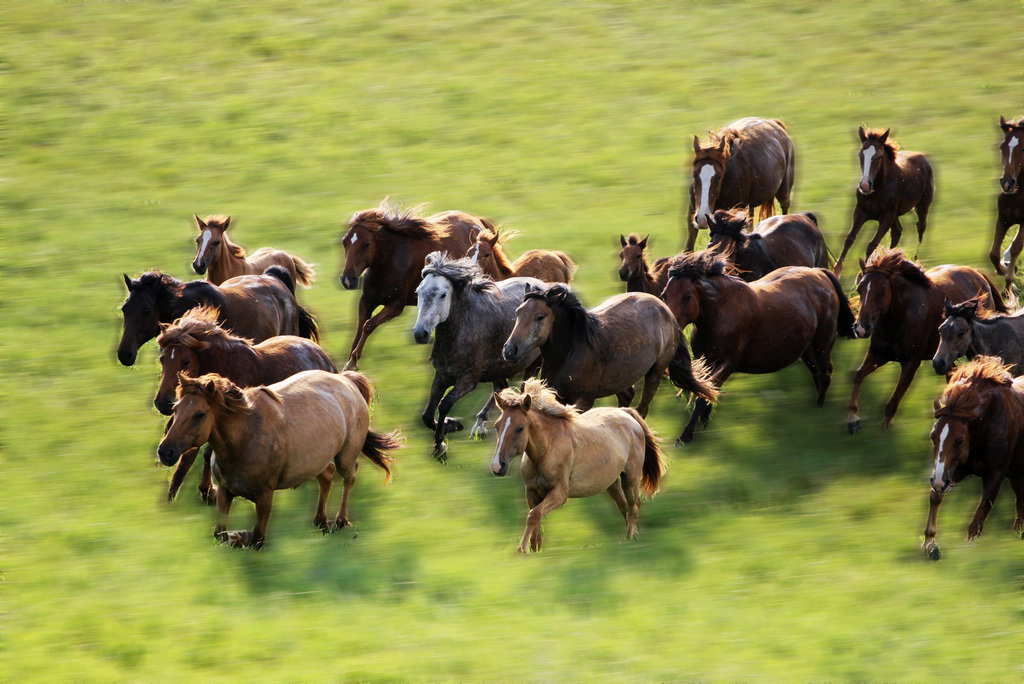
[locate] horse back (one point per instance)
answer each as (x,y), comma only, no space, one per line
(259,307)
(285,355)
(603,441)
(762,163)
(791,240)
(545,265)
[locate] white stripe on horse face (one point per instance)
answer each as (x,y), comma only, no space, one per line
(202,248)
(1014,141)
(707,172)
(476,252)
(868,154)
(354,238)
(172,353)
(939,468)
(496,461)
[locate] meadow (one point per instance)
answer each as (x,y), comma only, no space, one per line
(779,547)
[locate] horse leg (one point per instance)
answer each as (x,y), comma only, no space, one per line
(930,546)
(922,216)
(324,479)
(859,217)
(1018,491)
(867,367)
(625,397)
(1014,251)
(224,499)
(691,425)
(989,491)
(625,507)
(884,223)
(357,342)
(997,244)
(184,463)
(463,386)
(908,370)
(348,478)
(389,311)
(651,383)
(206,488)
(533,499)
(821,380)
(437,390)
(263,504)
(554,498)
(479,431)
(896,233)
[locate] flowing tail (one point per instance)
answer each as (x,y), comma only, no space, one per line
(654,459)
(375,446)
(308,327)
(282,274)
(570,266)
(846,320)
(362,384)
(691,376)
(997,299)
(304,271)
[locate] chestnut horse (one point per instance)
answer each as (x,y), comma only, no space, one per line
(1010,204)
(253,306)
(569,454)
(471,316)
(979,430)
(901,307)
(760,327)
(749,163)
(196,344)
(488,252)
(892,182)
(968,331)
(786,240)
(220,259)
(603,351)
(633,268)
(277,437)
(390,245)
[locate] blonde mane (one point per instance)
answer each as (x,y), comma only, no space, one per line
(889,262)
(198,329)
(407,221)
(964,393)
(220,392)
(543,400)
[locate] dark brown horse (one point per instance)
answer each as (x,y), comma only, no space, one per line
(979,430)
(588,354)
(220,259)
(390,245)
(253,306)
(196,344)
(749,163)
(901,308)
(892,182)
(633,268)
(970,331)
(543,264)
(1010,204)
(778,241)
(761,327)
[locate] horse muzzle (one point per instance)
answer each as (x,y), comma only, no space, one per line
(623,274)
(501,470)
(1009,185)
(942,486)
(199,267)
(940,366)
(127,356)
(421,336)
(861,331)
(349,282)
(168,454)
(866,188)
(164,405)
(511,352)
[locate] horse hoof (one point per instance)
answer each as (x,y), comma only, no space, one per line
(440,452)
(855,426)
(452,425)
(238,539)
(478,432)
(339,524)
(932,551)
(352,365)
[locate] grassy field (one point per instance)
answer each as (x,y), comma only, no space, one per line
(779,547)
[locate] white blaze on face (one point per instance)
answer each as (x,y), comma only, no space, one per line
(939,468)
(496,462)
(707,172)
(1014,141)
(433,299)
(206,241)
(476,252)
(869,153)
(354,238)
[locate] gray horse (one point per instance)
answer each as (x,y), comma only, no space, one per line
(968,332)
(471,317)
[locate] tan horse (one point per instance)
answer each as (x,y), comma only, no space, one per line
(568,454)
(542,264)
(277,437)
(220,259)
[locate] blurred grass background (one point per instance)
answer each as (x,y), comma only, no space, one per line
(779,547)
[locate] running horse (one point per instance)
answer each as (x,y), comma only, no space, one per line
(1010,204)
(276,437)
(793,313)
(569,454)
(220,259)
(390,245)
(778,241)
(892,182)
(901,308)
(634,270)
(749,163)
(196,344)
(970,331)
(979,430)
(543,264)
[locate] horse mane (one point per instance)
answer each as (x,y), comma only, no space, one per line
(697,265)
(890,146)
(498,239)
(216,389)
(731,224)
(463,272)
(889,262)
(542,399)
(969,310)
(198,329)
(963,396)
(634,240)
(407,221)
(584,325)
(166,286)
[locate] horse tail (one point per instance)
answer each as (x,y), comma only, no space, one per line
(282,274)
(764,211)
(846,320)
(655,464)
(308,327)
(691,376)
(811,215)
(375,446)
(997,299)
(830,258)
(362,384)
(570,265)
(304,272)
(781,123)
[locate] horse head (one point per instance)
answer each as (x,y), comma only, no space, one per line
(209,240)
(434,297)
(951,444)
(708,170)
(631,258)
(141,312)
(954,334)
(360,245)
(726,230)
(1012,151)
(875,290)
(872,150)
(192,418)
(512,427)
(534,320)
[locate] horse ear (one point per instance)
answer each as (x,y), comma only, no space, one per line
(696,144)
(127,281)
(200,222)
(643,243)
(499,402)
(862,134)
(1003,124)
(721,142)
(885,136)
(227,222)
(863,265)
(948,305)
(622,241)
(211,386)
(936,405)
(527,289)
(556,294)
(526,402)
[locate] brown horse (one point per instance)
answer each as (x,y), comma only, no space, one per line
(254,306)
(749,163)
(761,327)
(220,259)
(606,350)
(1010,204)
(970,331)
(277,437)
(568,454)
(892,182)
(633,268)
(197,345)
(778,241)
(390,245)
(979,430)
(488,252)
(901,308)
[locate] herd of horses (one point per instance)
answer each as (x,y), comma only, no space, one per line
(243,374)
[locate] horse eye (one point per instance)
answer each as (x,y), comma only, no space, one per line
(519,429)
(540,318)
(147,311)
(443,295)
(366,245)
(199,416)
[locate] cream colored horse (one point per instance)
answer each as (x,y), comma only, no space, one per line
(277,437)
(568,454)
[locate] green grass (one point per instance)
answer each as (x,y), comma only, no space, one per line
(779,547)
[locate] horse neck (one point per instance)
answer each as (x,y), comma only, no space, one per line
(230,434)
(226,264)
(719,294)
(538,443)
(501,263)
(558,347)
(235,360)
(643,281)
